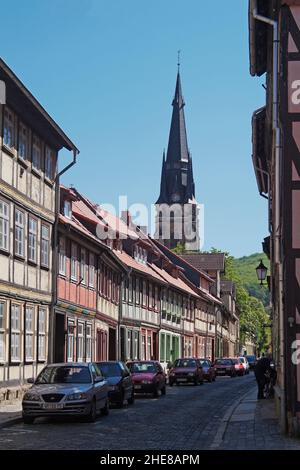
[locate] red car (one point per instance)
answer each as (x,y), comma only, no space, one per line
(225,366)
(185,371)
(238,365)
(147,377)
(209,371)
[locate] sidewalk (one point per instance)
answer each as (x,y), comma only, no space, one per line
(10,413)
(253,425)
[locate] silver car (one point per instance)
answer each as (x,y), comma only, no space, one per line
(67,389)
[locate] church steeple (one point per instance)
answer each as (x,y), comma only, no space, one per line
(177,212)
(177,183)
(178,147)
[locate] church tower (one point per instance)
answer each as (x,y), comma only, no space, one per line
(177,212)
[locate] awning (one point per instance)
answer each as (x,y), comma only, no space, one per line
(259,156)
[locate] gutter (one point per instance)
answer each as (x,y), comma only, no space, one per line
(277,158)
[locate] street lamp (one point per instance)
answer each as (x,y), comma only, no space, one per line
(261,272)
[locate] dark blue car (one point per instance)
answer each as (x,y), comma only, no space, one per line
(119,380)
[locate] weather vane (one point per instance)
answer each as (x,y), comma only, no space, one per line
(178,59)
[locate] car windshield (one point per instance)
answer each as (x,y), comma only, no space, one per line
(223,362)
(64,375)
(242,359)
(141,367)
(110,369)
(251,358)
(204,363)
(185,363)
(235,361)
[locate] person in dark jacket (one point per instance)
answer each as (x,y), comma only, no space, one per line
(262,366)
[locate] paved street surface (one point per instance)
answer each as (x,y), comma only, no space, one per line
(220,415)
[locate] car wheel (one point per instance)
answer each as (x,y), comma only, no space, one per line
(91,417)
(171,384)
(163,390)
(210,379)
(155,393)
(201,382)
(214,378)
(28,420)
(131,399)
(105,410)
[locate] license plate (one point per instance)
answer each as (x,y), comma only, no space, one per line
(138,387)
(222,371)
(53,406)
(181,380)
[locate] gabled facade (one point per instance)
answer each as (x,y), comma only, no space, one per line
(30,142)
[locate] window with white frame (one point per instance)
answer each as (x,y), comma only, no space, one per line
(45,245)
(8,129)
(4,225)
(19,232)
(137,290)
(2,331)
(49,163)
(42,335)
(29,328)
(80,342)
(68,209)
(70,344)
(83,266)
(74,262)
(92,270)
(62,255)
(15,333)
(88,342)
(23,142)
(32,239)
(144,293)
(36,153)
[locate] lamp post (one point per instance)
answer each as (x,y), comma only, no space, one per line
(261,272)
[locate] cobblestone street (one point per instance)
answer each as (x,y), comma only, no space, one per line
(213,416)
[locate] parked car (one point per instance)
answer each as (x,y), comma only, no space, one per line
(252,360)
(245,364)
(224,366)
(66,389)
(238,365)
(209,372)
(147,377)
(186,370)
(119,380)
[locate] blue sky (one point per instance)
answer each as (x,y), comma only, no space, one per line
(106,71)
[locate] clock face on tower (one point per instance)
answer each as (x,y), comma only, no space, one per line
(175,197)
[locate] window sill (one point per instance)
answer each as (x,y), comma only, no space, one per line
(49,181)
(32,263)
(45,268)
(19,257)
(4,252)
(8,150)
(36,172)
(23,162)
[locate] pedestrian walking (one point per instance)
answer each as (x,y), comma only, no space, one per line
(262,366)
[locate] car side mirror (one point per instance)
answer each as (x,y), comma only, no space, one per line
(99,379)
(30,380)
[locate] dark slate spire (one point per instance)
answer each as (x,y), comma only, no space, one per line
(177,182)
(163,183)
(177,147)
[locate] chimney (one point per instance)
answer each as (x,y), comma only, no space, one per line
(126,217)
